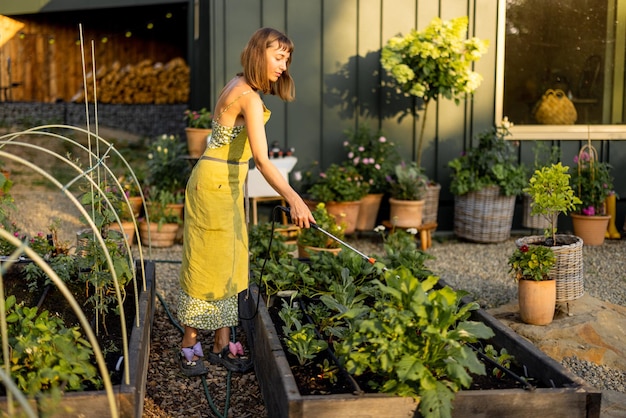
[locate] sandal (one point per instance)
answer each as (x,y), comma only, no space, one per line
(189,366)
(234,364)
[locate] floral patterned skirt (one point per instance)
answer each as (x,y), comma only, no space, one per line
(208,315)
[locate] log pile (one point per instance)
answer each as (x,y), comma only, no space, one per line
(143,83)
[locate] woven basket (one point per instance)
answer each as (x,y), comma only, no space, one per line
(431,203)
(484,215)
(555,108)
(532,221)
(568,270)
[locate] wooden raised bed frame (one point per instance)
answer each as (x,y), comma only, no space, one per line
(569,396)
(130,397)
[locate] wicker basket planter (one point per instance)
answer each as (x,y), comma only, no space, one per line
(431,203)
(484,215)
(567,394)
(532,221)
(568,271)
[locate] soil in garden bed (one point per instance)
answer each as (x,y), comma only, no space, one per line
(48,297)
(310,379)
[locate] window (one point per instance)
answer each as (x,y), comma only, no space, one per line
(575,51)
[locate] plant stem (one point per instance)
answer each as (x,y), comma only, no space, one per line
(420,142)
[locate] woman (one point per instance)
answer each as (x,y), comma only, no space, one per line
(215,242)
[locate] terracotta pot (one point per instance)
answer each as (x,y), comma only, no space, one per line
(537,301)
(306,252)
(591,229)
(196,141)
(162,237)
(136,205)
(368,212)
(128,229)
(171,209)
(346,213)
(406,213)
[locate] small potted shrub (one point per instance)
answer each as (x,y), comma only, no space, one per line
(552,195)
(341,188)
(311,240)
(530,265)
(485,181)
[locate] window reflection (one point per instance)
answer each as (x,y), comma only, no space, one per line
(573,46)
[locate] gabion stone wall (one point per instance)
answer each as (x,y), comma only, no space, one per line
(143,120)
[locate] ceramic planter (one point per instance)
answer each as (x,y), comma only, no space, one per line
(537,301)
(591,229)
(567,395)
(406,213)
(368,212)
(346,213)
(197,141)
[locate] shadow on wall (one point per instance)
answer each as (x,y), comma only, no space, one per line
(365,99)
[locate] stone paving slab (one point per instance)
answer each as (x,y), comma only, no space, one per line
(586,328)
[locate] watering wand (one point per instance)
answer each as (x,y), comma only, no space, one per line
(370,260)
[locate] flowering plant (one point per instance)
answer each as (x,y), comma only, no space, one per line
(532,262)
(310,237)
(373,156)
(339,183)
(408,182)
(200,119)
(591,181)
(492,162)
(167,169)
(435,61)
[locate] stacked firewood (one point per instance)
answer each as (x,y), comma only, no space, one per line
(143,83)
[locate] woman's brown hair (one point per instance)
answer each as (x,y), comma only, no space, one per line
(254,62)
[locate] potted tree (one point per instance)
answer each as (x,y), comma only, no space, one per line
(530,265)
(374,157)
(434,62)
(408,185)
(199,127)
(341,188)
(485,182)
(552,195)
(593,184)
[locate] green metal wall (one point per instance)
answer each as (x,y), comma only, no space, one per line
(337,73)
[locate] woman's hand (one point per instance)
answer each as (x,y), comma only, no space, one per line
(300,213)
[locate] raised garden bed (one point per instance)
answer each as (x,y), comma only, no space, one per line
(563,394)
(129,397)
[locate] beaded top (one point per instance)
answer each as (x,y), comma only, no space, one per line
(223,135)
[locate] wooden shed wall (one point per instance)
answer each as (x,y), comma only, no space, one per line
(45,52)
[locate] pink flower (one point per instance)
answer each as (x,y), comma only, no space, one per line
(382,139)
(589,211)
(361,149)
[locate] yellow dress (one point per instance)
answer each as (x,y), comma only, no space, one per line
(215,240)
